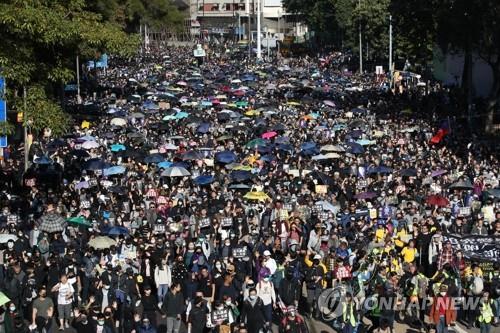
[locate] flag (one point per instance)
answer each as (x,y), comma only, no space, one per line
(444,129)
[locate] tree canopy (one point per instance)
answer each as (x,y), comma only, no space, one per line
(41,38)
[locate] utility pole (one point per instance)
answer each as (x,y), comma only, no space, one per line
(26,148)
(259,46)
(390,47)
(78,97)
(360,46)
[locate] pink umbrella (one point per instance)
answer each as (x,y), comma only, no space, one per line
(269,135)
(238,93)
(329,103)
(182,83)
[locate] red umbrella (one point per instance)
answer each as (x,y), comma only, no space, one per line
(269,135)
(437,200)
(238,93)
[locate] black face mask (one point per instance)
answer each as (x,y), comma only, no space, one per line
(316,262)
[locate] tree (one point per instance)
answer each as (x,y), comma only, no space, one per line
(40,39)
(465,26)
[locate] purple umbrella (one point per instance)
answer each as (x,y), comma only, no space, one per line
(437,173)
(365,195)
(329,103)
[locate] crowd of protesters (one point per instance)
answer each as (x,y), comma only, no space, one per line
(227,197)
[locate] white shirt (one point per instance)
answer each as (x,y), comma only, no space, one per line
(271,265)
(65,289)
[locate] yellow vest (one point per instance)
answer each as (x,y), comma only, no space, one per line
(486,313)
(352,319)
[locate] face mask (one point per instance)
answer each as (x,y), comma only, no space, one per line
(84,322)
(443,293)
(220,308)
(266,279)
(292,314)
(218,266)
(228,302)
(12,308)
(106,287)
(100,322)
(227,243)
(253,297)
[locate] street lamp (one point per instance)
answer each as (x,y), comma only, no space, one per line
(266,31)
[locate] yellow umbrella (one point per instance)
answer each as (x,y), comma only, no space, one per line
(243,168)
(378,134)
(85,124)
(293,103)
(256,195)
(252,113)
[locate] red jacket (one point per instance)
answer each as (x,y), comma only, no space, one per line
(437,304)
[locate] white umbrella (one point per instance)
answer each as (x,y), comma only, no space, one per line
(333,148)
(90,145)
(118,122)
(170,146)
(101,242)
(175,172)
(319,157)
(332,155)
(4,238)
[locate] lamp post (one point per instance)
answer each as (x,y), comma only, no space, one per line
(259,37)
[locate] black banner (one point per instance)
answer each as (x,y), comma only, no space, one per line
(475,247)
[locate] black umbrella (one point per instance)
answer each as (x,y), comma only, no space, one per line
(461,185)
(52,222)
(410,172)
(323,178)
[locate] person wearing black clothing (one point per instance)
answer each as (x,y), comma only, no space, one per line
(423,242)
(150,305)
(173,307)
(253,312)
(289,289)
(197,319)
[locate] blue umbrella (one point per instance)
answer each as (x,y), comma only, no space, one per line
(268,158)
(282,140)
(204,180)
(44,160)
(118,147)
(379,169)
(206,103)
(164,164)
(310,152)
(184,165)
(203,128)
(240,175)
(356,134)
(285,147)
(95,164)
(308,146)
(87,138)
(355,148)
(226,157)
(114,170)
(116,231)
(154,158)
(181,115)
(264,149)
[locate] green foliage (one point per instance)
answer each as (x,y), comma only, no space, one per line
(42,112)
(6,128)
(373,17)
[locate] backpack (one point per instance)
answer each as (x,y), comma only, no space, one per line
(477,285)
